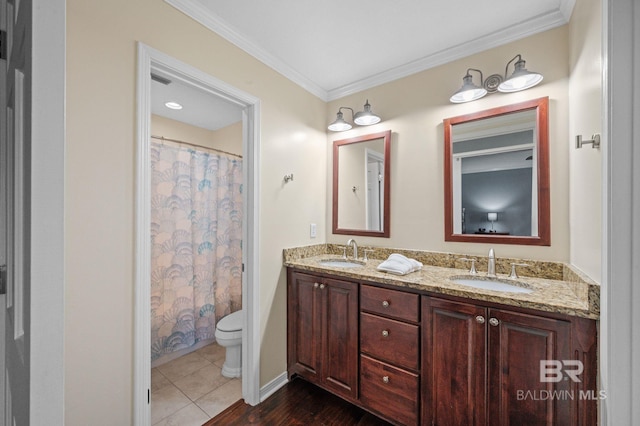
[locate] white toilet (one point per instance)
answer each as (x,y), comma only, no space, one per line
(229,335)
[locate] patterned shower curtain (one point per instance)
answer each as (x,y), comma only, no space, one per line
(196,244)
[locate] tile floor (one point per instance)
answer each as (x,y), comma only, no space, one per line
(191,389)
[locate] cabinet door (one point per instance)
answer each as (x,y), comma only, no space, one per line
(304,325)
(340,365)
(517,344)
(453,351)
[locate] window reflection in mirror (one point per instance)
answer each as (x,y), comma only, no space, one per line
(361,185)
(496,175)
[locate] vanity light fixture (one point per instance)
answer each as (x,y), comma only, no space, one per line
(520,79)
(469,91)
(340,125)
(362,118)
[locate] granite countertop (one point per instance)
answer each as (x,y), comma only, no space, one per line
(576,296)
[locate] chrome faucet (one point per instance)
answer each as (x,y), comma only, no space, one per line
(491,265)
(355,248)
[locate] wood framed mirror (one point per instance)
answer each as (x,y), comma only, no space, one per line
(361,186)
(496,175)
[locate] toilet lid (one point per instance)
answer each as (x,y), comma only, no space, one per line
(232,322)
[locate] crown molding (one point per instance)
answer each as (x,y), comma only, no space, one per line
(204,16)
(566,8)
(515,32)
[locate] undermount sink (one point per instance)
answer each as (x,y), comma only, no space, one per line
(492,284)
(340,263)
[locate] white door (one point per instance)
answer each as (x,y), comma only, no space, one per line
(14,214)
(375,194)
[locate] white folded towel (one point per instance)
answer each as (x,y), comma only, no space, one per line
(399,264)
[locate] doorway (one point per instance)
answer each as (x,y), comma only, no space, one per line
(375,193)
(152,61)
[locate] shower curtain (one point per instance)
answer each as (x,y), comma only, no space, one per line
(196,244)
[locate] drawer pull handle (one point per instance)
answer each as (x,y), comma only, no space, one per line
(385,304)
(385,379)
(385,333)
(494,321)
(480,319)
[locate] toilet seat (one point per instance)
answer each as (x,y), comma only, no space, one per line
(232,322)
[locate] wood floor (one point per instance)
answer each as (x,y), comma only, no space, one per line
(297,403)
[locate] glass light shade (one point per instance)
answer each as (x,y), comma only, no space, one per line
(339,125)
(521,79)
(492,217)
(366,117)
(468,92)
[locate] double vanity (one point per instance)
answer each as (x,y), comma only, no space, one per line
(462,341)
(441,345)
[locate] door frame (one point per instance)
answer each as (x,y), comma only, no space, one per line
(48,140)
(148,59)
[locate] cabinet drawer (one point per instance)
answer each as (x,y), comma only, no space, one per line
(391,391)
(390,340)
(393,303)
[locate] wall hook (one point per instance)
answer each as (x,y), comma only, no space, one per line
(287,178)
(594,141)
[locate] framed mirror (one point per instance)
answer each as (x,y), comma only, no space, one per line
(496,175)
(361,187)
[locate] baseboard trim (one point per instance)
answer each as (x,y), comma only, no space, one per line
(267,390)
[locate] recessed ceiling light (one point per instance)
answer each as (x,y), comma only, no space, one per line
(173,105)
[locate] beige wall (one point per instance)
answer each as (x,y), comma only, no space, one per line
(100,186)
(413,109)
(228,139)
(585,118)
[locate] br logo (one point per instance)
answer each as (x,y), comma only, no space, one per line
(553,370)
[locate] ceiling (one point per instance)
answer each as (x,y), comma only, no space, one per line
(199,108)
(335,48)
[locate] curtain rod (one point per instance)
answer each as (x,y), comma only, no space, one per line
(162,138)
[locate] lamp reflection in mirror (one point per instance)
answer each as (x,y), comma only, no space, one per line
(492,218)
(362,118)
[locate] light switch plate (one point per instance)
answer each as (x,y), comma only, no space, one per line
(313,230)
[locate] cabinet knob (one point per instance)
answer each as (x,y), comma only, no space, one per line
(316,285)
(494,321)
(480,319)
(385,333)
(385,303)
(385,379)
(322,286)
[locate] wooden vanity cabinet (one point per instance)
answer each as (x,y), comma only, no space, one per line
(390,353)
(323,332)
(421,359)
(482,367)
